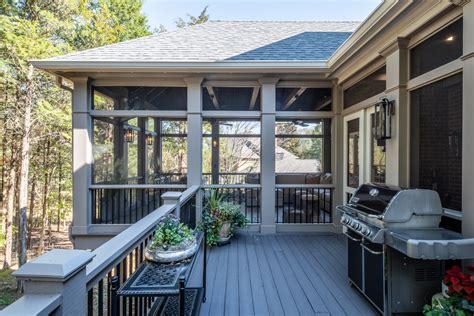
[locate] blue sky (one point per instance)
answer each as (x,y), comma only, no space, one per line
(167,11)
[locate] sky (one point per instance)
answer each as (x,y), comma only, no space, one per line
(166,12)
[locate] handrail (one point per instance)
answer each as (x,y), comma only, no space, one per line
(232,186)
(188,194)
(316,186)
(113,251)
(137,186)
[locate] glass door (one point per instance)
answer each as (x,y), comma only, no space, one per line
(353,153)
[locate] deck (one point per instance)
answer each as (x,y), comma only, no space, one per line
(282,275)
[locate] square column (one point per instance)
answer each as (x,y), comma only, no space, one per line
(396,58)
(194,116)
(82,155)
(337,151)
(267,162)
(468,118)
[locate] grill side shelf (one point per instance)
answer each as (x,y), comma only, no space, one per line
(432,244)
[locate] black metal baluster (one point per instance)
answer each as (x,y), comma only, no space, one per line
(115,299)
(100,298)
(90,301)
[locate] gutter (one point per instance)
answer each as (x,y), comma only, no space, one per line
(57,66)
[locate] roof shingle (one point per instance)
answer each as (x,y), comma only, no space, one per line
(228,40)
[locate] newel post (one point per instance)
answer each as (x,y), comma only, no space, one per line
(61,272)
(172,198)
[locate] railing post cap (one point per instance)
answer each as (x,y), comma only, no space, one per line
(55,265)
(171,196)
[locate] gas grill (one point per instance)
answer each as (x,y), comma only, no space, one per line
(396,248)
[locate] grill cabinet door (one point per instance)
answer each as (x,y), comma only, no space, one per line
(374,274)
(354,258)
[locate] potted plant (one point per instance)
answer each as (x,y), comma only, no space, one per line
(173,241)
(457,296)
(220,219)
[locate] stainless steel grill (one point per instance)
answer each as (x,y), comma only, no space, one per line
(389,231)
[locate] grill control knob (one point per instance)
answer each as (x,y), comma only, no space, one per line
(367,231)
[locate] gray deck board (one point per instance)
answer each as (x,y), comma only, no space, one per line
(285,274)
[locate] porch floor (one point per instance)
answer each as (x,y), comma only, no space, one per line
(282,275)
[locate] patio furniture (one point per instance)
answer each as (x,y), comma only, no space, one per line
(168,284)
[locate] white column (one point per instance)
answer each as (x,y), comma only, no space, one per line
(468,118)
(82,155)
(397,147)
(194,92)
(337,148)
(267,162)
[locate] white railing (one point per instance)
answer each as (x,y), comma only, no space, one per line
(55,281)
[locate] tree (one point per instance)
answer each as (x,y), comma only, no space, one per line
(35,111)
(203,17)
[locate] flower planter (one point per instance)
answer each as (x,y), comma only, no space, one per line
(172,254)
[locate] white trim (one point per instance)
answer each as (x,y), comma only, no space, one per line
(231,83)
(304,84)
(137,186)
(139,82)
(361,116)
(138,113)
(276,66)
(304,114)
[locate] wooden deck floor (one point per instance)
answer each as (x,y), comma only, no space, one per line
(281,275)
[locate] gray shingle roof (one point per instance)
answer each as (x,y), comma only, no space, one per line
(228,40)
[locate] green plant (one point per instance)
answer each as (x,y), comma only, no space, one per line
(442,306)
(461,295)
(217,213)
(170,232)
(214,200)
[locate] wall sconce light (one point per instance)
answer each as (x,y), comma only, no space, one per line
(149,139)
(129,135)
(384,110)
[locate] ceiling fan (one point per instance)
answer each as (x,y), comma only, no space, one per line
(300,123)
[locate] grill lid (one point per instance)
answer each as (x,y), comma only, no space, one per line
(373,198)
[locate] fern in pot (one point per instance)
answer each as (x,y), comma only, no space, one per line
(220,219)
(173,241)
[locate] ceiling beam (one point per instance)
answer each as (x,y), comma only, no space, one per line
(210,90)
(254,97)
(322,104)
(295,94)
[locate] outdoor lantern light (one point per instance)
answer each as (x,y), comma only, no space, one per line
(129,135)
(214,143)
(149,139)
(384,111)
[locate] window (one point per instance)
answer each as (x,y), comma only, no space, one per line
(436,139)
(140,150)
(353,134)
(303,99)
(231,99)
(140,98)
(377,157)
(231,151)
(303,146)
(441,48)
(371,85)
